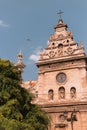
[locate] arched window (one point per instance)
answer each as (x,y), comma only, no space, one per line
(61,92)
(50,94)
(60,49)
(73,92)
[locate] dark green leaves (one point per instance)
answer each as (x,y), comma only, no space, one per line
(16,110)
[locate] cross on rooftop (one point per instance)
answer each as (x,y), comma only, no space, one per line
(59,13)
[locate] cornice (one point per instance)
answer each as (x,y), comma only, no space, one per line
(60,60)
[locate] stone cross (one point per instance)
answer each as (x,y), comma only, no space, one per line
(59,13)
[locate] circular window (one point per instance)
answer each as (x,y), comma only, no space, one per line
(61,77)
(62,118)
(60,45)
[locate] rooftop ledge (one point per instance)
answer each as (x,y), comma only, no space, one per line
(63,59)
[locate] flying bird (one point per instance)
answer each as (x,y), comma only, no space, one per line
(28,39)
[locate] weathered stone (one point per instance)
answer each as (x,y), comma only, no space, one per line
(62,81)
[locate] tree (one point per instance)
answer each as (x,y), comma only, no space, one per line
(16,110)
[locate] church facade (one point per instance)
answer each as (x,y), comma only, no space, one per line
(61,87)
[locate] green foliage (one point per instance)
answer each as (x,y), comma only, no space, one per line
(16,110)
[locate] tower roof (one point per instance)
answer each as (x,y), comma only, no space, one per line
(20,64)
(61,45)
(60,24)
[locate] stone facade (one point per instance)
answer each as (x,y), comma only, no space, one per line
(61,87)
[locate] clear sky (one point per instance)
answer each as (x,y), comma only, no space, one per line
(27,24)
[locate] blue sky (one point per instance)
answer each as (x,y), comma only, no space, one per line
(27,24)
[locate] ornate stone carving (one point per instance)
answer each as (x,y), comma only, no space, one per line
(69,50)
(57,37)
(60,125)
(60,52)
(51,54)
(81,44)
(69,34)
(60,36)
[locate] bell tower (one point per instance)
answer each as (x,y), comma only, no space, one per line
(62,80)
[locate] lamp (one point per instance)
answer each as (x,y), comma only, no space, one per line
(72,117)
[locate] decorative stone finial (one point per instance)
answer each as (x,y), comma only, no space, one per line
(81,44)
(20,64)
(20,57)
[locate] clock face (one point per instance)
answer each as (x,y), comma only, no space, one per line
(61,77)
